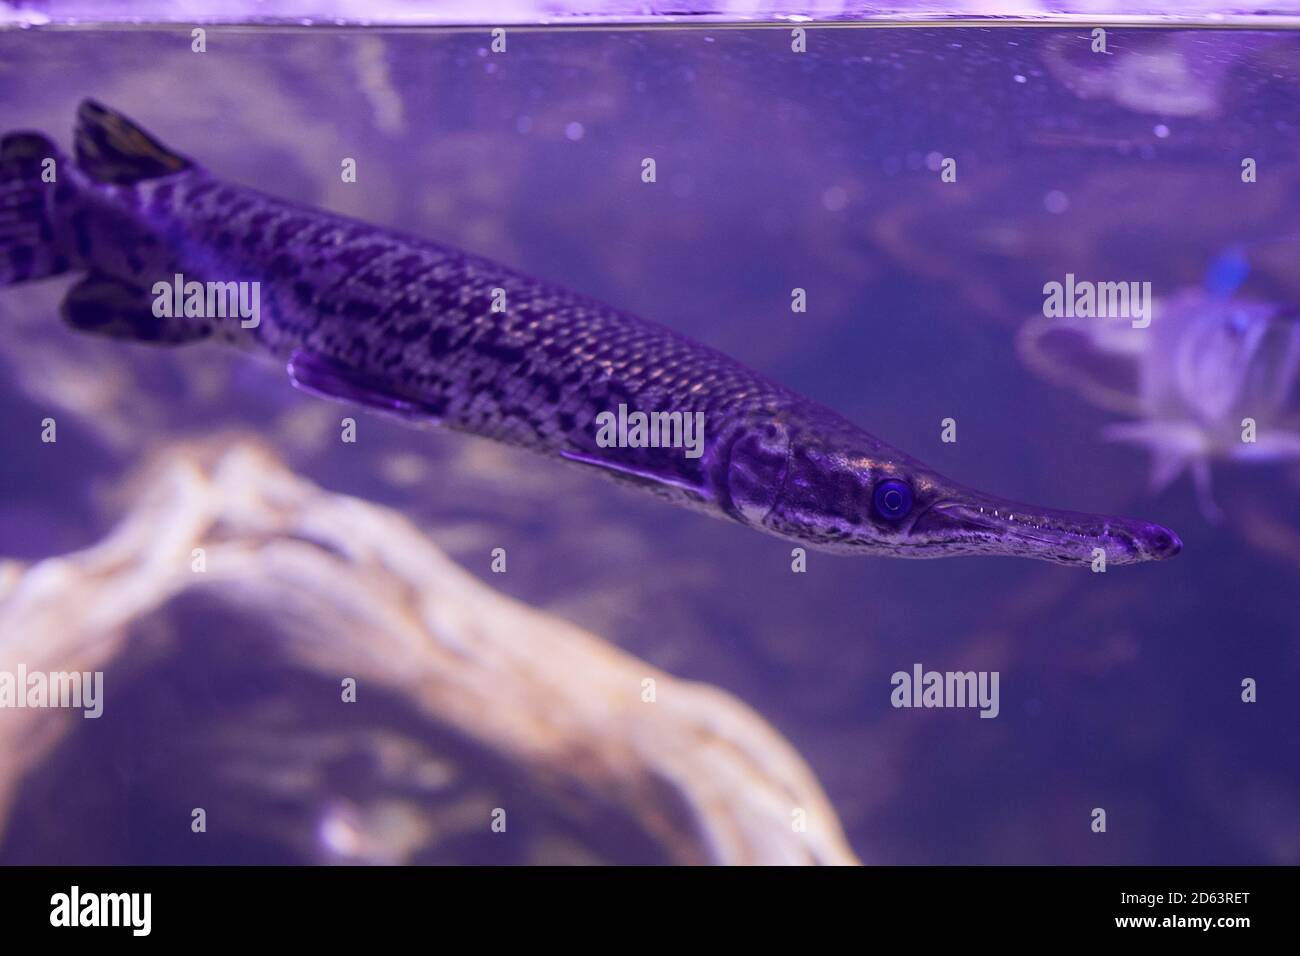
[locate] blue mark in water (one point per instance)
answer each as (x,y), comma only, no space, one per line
(1228,271)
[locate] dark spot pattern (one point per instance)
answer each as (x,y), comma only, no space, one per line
(415,322)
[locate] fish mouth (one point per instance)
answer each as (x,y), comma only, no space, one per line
(977,525)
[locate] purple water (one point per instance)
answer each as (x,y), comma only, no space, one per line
(776,170)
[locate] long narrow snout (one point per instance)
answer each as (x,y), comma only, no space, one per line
(966,522)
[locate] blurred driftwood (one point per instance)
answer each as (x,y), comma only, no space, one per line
(346,588)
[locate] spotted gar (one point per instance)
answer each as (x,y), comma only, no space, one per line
(432,334)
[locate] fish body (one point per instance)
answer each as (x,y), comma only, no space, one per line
(433,334)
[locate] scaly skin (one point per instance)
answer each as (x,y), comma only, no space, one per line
(412,322)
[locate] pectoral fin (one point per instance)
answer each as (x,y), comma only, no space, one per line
(638,474)
(332,379)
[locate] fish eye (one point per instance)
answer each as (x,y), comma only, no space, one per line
(893,499)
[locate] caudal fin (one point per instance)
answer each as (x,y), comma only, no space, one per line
(29,188)
(112,149)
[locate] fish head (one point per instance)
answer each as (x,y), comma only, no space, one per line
(842,490)
(959,520)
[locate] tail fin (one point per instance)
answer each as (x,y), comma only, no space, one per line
(27,244)
(112,149)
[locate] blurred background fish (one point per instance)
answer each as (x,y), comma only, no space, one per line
(1212,379)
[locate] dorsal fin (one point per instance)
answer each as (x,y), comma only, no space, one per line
(112,149)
